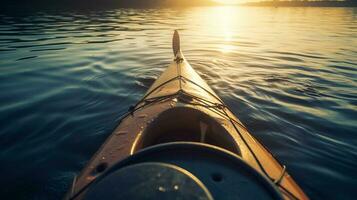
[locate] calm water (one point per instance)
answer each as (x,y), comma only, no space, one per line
(288,73)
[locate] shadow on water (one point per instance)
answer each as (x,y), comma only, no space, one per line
(68,75)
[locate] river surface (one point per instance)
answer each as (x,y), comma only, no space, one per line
(289,74)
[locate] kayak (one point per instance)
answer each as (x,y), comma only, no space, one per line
(182,131)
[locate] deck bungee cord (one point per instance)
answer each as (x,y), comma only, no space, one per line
(205,103)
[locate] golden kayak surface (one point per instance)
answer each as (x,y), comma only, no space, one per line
(180,106)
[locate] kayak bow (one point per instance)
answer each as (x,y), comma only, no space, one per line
(181,114)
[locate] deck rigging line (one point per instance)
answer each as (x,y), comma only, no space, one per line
(218,108)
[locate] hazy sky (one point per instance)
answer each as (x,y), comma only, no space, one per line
(232,1)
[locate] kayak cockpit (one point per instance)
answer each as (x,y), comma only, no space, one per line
(186,124)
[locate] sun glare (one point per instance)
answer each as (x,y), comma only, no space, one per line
(221,22)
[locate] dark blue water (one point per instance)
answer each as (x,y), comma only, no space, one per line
(289,74)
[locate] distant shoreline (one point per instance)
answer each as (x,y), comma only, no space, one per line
(301,4)
(19,6)
(98,4)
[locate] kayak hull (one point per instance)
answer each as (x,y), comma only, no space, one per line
(180,106)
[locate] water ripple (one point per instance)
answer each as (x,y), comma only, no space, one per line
(289,74)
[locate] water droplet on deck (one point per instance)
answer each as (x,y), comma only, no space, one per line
(121,133)
(142,115)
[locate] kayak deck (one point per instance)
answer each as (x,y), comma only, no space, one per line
(180,106)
